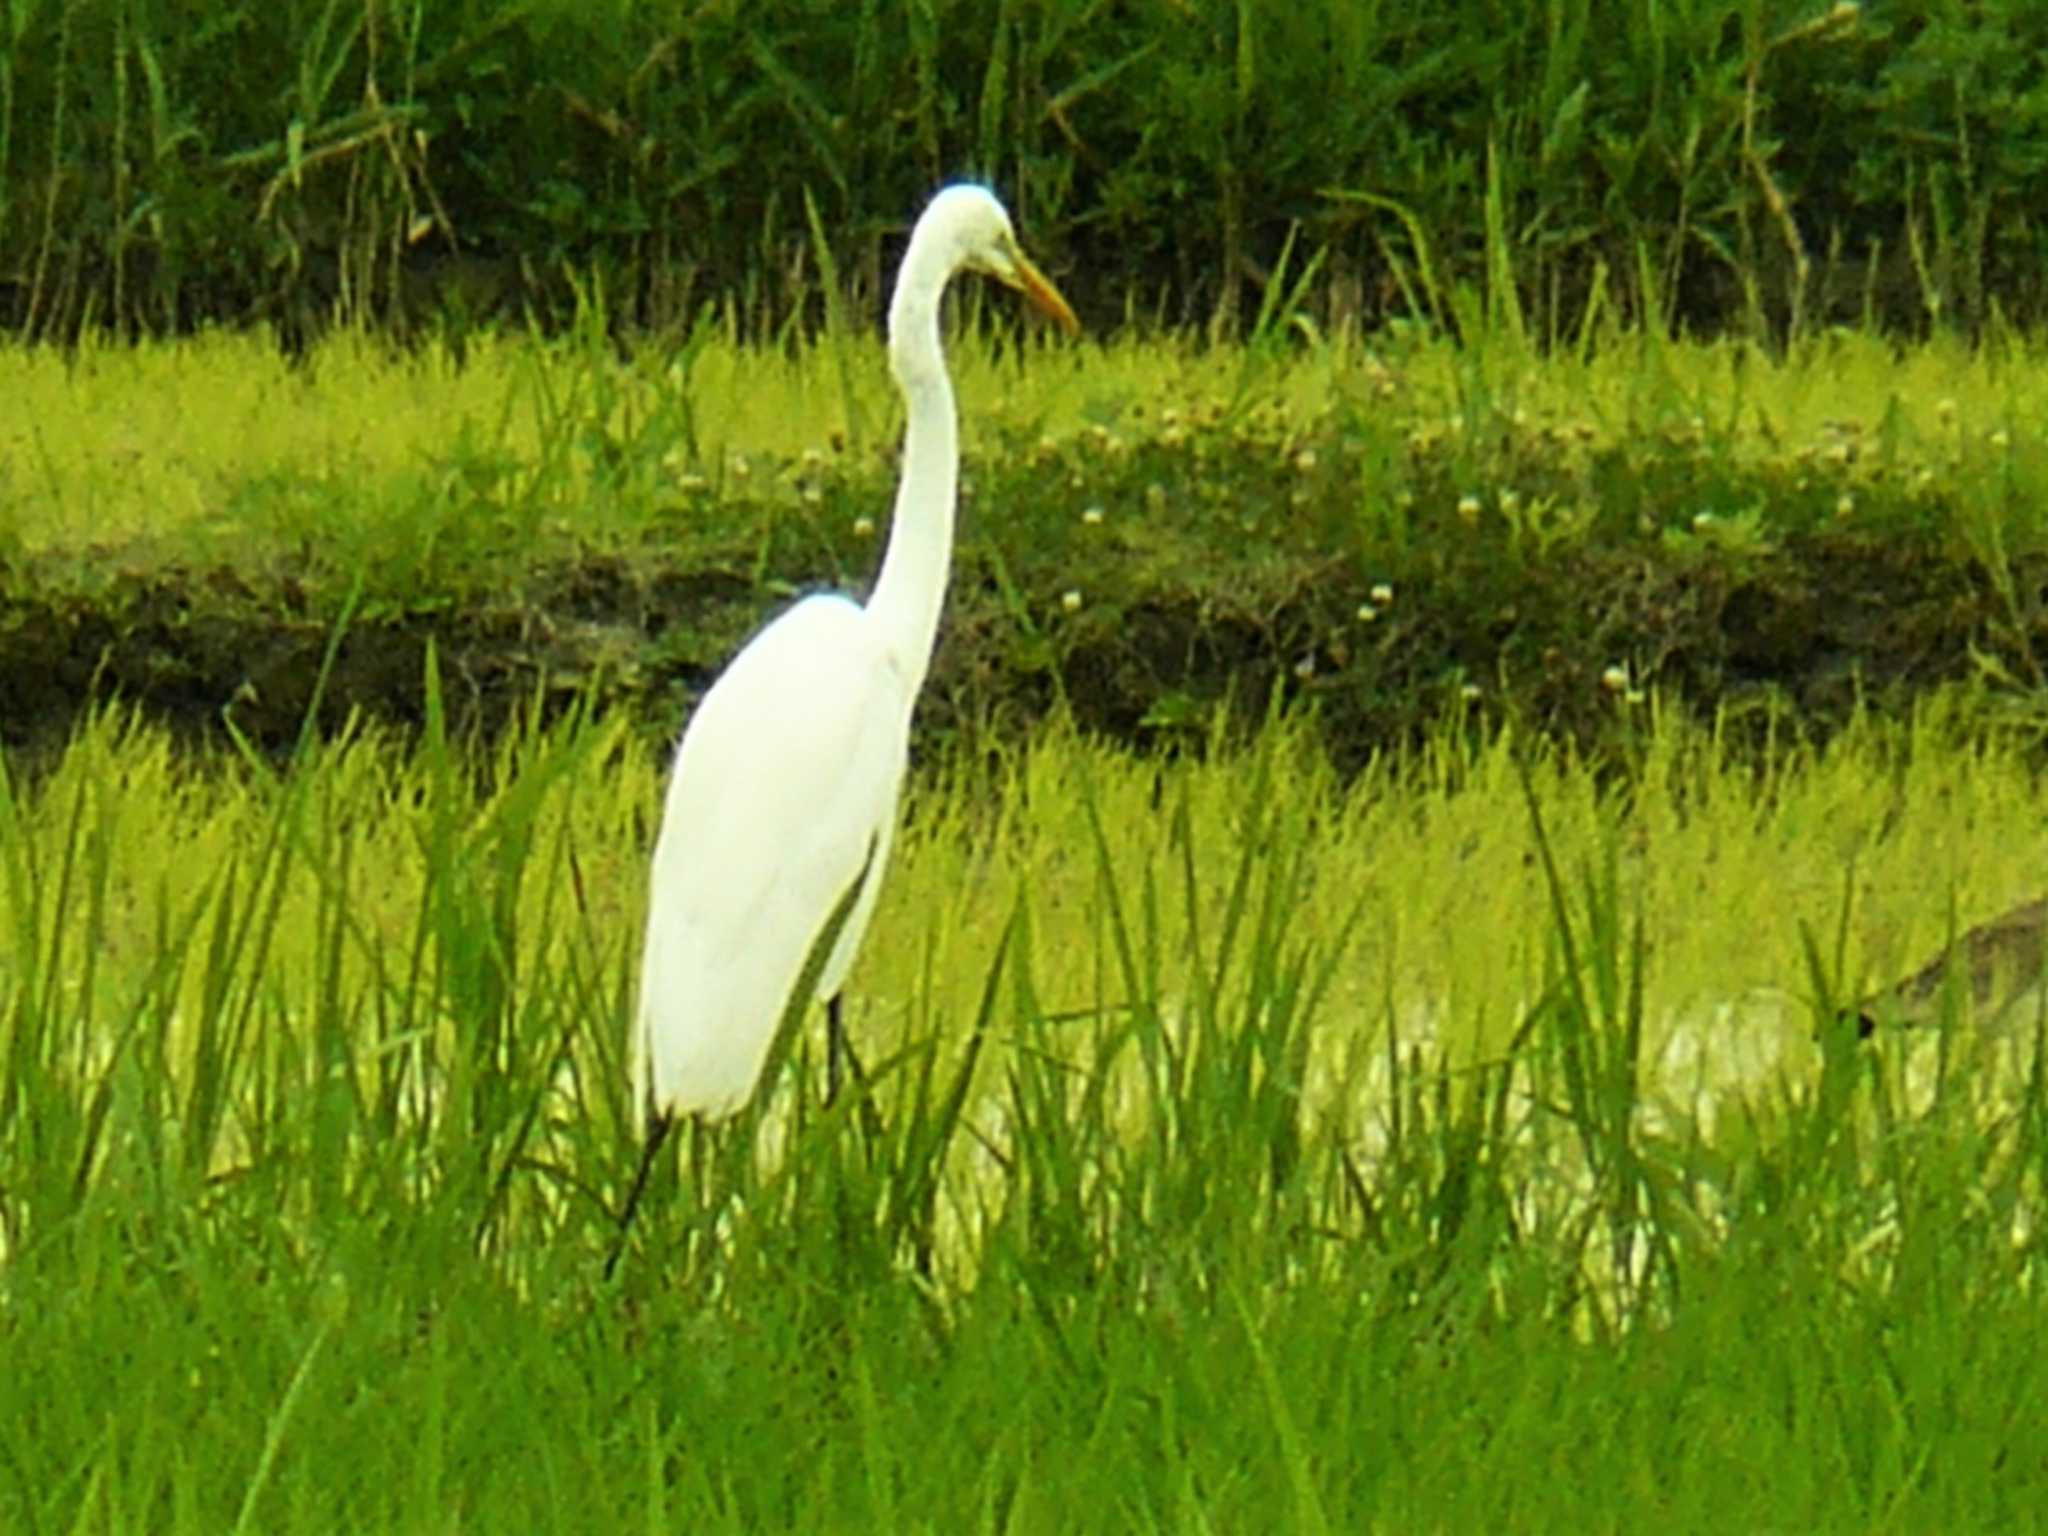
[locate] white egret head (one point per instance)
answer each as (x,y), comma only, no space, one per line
(973,228)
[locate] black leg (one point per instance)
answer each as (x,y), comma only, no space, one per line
(657,1133)
(837,1049)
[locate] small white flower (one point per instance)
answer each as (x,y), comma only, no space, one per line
(1305,460)
(1382,593)
(1615,679)
(1702,521)
(1468,507)
(1509,501)
(1367,613)
(1469,693)
(1071,600)
(2001,438)
(863,527)
(1092,516)
(1844,504)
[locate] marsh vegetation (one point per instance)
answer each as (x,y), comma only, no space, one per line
(1243,1144)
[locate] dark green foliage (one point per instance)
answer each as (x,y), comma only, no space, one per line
(1758,163)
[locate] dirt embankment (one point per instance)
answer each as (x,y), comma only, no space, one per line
(1794,641)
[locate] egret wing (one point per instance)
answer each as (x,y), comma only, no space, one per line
(784,788)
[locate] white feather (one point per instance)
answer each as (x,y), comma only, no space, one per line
(786,782)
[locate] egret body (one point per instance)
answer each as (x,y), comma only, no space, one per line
(785,786)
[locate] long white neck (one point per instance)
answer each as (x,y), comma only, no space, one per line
(912,586)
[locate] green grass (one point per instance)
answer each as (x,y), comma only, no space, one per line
(1157,531)
(1245,1149)
(205,448)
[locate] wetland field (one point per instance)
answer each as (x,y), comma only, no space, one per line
(1461,1125)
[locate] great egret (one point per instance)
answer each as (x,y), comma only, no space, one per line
(784,790)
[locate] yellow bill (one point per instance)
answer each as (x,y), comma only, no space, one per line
(1025,277)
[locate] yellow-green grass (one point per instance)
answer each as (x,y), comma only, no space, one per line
(314,1120)
(1292,1184)
(1432,858)
(1422,872)
(164,440)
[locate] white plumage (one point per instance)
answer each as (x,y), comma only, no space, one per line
(789,772)
(785,785)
